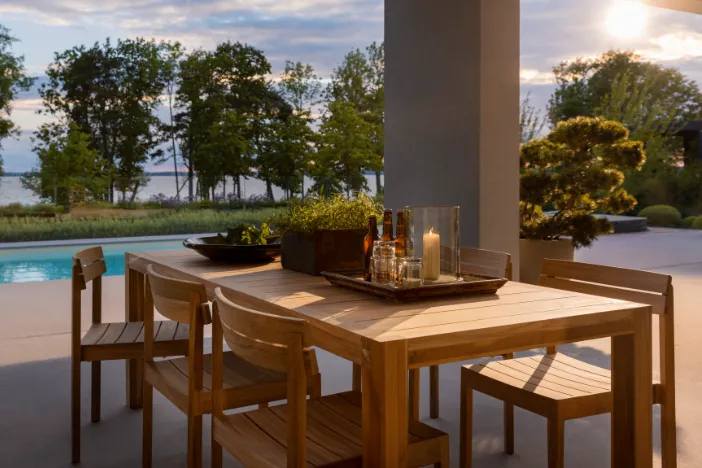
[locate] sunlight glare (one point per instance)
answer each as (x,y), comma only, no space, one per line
(626,19)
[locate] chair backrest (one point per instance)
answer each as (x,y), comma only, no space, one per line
(183,302)
(177,299)
(486,262)
(644,287)
(270,341)
(88,266)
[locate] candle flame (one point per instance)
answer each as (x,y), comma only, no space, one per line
(431,231)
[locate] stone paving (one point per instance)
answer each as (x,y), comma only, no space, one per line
(35,379)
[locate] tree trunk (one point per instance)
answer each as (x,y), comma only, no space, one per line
(269,190)
(238,187)
(224,188)
(378,184)
(190,183)
(302,192)
(173,144)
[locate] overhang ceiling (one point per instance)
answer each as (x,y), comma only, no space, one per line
(690,6)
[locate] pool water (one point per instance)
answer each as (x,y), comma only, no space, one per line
(52,263)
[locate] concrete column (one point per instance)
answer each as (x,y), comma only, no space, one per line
(452,113)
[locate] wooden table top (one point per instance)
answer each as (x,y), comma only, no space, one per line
(516,307)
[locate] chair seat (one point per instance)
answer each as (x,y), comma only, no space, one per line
(540,383)
(125,340)
(334,436)
(244,384)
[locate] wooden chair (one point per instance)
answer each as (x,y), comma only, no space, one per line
(560,387)
(481,262)
(186,382)
(106,341)
(324,431)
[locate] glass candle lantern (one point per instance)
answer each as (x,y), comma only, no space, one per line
(432,234)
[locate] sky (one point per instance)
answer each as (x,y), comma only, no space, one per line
(320,32)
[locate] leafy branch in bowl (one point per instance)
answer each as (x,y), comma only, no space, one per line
(318,213)
(246,234)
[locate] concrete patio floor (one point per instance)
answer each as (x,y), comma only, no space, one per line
(35,379)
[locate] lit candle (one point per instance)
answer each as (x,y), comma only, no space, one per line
(432,256)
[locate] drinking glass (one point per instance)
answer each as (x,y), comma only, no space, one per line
(384,270)
(383,248)
(409,273)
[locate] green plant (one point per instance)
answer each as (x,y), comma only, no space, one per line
(662,216)
(181,222)
(245,234)
(688,222)
(577,170)
(317,213)
(697,223)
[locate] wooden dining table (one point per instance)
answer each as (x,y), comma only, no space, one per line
(389,338)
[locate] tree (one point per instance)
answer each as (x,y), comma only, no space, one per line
(13,79)
(301,87)
(173,54)
(344,150)
(531,122)
(67,162)
(583,84)
(111,93)
(576,170)
(359,81)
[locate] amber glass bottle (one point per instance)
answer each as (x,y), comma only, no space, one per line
(387,226)
(371,237)
(400,241)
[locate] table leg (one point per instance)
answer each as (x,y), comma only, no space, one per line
(134,305)
(385,418)
(632,412)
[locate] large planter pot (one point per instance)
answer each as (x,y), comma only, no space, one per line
(533,252)
(335,251)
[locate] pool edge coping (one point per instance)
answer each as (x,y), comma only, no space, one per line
(103,240)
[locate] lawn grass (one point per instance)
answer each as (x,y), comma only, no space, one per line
(172,222)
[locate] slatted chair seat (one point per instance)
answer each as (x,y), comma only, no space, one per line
(557,378)
(243,383)
(334,438)
(125,340)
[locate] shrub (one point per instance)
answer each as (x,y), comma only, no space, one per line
(577,170)
(662,216)
(182,222)
(690,221)
(697,223)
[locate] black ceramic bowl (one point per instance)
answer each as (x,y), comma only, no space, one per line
(206,246)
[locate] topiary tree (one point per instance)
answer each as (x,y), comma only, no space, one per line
(662,216)
(575,171)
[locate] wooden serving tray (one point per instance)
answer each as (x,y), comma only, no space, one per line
(469,283)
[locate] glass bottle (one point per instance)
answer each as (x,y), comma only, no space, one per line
(387,226)
(368,241)
(400,243)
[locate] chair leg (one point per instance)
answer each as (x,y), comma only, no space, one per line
(194,441)
(669,452)
(413,397)
(216,461)
(95,374)
(356,382)
(445,454)
(509,428)
(434,392)
(147,424)
(466,424)
(75,410)
(316,387)
(556,443)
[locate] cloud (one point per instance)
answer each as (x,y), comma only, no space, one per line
(675,47)
(533,76)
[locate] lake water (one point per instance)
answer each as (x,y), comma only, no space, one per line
(11,190)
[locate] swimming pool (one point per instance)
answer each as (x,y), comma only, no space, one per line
(52,263)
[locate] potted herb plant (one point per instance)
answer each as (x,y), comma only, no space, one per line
(324,234)
(567,176)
